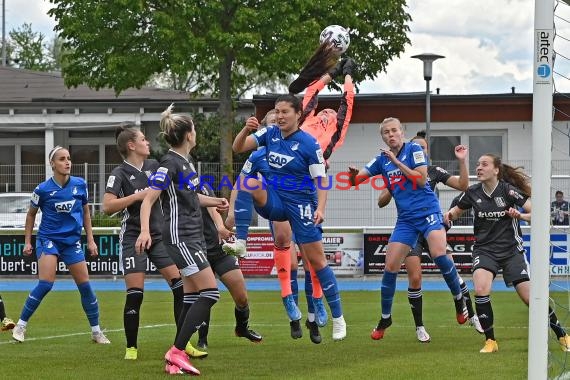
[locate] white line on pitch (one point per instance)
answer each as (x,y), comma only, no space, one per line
(85,333)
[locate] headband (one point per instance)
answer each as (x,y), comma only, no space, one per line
(53,152)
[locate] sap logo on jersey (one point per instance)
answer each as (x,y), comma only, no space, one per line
(64,206)
(395,175)
(278,160)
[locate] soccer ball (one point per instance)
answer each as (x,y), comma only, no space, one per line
(337,36)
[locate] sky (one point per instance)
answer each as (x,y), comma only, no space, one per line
(487,44)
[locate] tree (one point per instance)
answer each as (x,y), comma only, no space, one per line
(29,49)
(228,44)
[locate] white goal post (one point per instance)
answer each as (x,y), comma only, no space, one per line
(541,169)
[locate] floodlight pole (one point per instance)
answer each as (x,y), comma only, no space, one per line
(427,59)
(3,33)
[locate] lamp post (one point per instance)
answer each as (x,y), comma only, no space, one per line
(427,59)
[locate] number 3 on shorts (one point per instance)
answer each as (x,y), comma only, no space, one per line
(305,211)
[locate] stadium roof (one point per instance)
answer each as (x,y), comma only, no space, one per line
(25,86)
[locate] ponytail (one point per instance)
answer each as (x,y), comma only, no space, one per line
(174,127)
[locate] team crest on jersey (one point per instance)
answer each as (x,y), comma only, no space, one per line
(64,206)
(148,173)
(515,194)
(278,160)
(74,191)
(295,146)
(500,202)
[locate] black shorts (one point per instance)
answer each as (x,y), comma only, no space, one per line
(221,262)
(515,267)
(131,262)
(421,247)
(189,257)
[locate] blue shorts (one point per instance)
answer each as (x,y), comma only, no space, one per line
(69,254)
(406,231)
(299,212)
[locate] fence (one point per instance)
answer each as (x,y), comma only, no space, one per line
(344,207)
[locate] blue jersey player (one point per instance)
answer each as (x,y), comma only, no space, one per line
(403,167)
(65,212)
(241,204)
(294,191)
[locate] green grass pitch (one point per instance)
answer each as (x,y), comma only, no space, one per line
(58,341)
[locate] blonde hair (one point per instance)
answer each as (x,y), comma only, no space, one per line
(174,127)
(267,116)
(389,120)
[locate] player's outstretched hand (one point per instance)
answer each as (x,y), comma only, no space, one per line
(252,123)
(461,152)
(352,173)
(337,70)
(349,67)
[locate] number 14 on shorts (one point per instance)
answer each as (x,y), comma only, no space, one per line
(305,211)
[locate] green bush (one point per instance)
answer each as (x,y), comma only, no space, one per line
(99,219)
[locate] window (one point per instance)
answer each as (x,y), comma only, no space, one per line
(7,168)
(85,159)
(480,145)
(479,142)
(33,167)
(442,152)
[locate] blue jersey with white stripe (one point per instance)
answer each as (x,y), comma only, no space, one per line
(62,209)
(412,200)
(293,161)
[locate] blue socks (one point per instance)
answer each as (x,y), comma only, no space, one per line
(309,292)
(330,289)
(243,211)
(89,303)
(387,291)
(35,298)
(294,286)
(449,273)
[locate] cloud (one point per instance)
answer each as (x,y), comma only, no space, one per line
(32,12)
(488,45)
